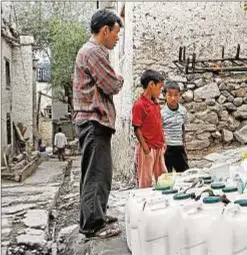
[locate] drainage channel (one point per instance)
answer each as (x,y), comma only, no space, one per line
(59,213)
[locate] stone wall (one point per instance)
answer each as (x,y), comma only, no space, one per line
(6,95)
(157,30)
(216,104)
(122,59)
(23,86)
(45,131)
(217,109)
(161,28)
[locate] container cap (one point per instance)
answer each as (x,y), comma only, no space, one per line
(181,196)
(206,177)
(230,189)
(211,200)
(161,187)
(207,181)
(169,191)
(218,185)
(241,202)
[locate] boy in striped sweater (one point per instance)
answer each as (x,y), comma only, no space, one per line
(174,118)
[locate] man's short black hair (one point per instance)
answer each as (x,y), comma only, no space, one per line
(59,129)
(151,75)
(171,85)
(104,18)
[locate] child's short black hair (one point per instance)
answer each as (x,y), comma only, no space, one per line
(151,75)
(59,129)
(171,85)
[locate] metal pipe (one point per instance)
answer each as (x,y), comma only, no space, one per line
(223,69)
(180,54)
(184,53)
(223,52)
(187,66)
(238,51)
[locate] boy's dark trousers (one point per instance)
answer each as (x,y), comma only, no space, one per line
(96,174)
(176,157)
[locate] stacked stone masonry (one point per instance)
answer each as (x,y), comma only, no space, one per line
(151,37)
(217,111)
(217,104)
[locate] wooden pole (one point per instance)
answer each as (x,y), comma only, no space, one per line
(38,110)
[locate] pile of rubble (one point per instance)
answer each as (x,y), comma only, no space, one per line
(21,166)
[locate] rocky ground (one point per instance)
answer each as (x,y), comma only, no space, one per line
(40,215)
(27,209)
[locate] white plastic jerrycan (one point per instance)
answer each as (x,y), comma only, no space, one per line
(197,219)
(197,185)
(220,171)
(160,228)
(236,215)
(169,193)
(231,192)
(228,234)
(217,187)
(133,206)
(220,237)
(181,199)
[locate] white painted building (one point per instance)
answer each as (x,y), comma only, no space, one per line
(18,90)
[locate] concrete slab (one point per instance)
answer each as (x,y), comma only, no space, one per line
(33,237)
(17,208)
(213,157)
(36,218)
(6,222)
(230,156)
(5,232)
(34,197)
(47,195)
(4,243)
(4,251)
(47,172)
(22,190)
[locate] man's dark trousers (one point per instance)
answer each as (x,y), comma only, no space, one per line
(96,174)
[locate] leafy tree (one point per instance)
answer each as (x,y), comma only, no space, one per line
(65,40)
(59,31)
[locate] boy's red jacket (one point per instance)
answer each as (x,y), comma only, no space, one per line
(146,115)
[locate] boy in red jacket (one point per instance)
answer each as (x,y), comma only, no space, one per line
(146,119)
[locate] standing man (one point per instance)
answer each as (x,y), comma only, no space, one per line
(94,85)
(60,142)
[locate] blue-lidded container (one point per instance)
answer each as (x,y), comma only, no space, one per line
(169,191)
(209,181)
(206,178)
(181,196)
(241,202)
(211,200)
(230,189)
(218,185)
(162,187)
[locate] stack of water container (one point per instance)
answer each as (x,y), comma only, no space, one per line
(204,212)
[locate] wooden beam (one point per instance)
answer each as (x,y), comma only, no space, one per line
(38,110)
